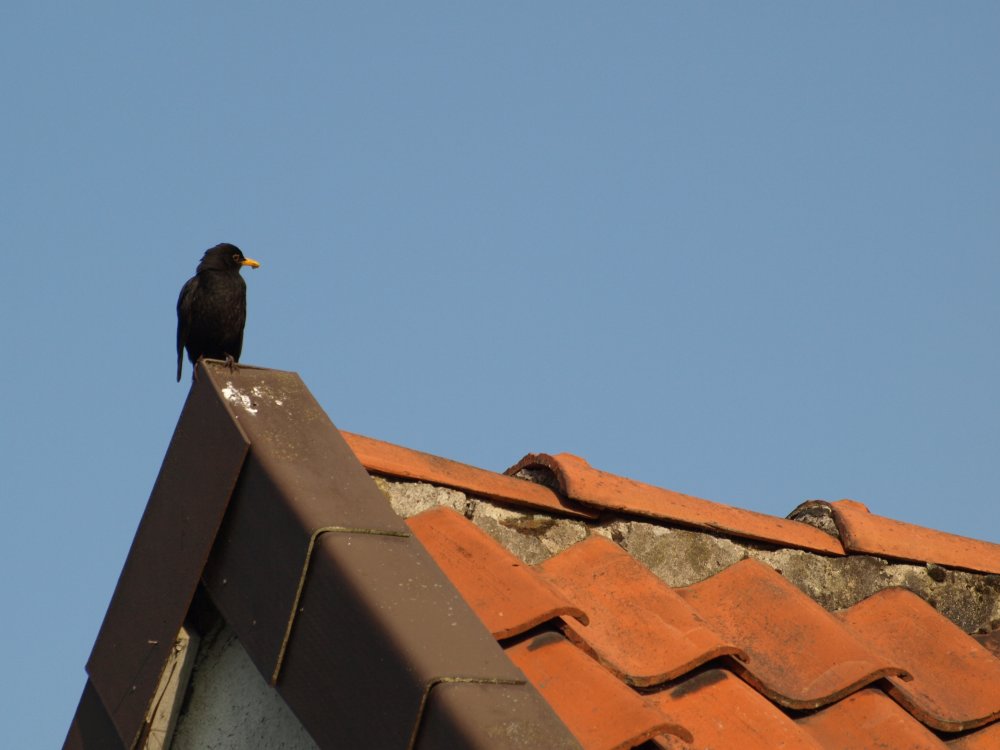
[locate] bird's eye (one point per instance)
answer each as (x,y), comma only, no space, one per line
(237,258)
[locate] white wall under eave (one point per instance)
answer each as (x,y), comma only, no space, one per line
(229,706)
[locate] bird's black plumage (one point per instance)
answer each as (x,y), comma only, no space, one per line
(212,307)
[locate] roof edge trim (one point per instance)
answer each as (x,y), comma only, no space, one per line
(434,682)
(302,583)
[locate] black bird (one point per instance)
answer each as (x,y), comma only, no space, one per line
(212,308)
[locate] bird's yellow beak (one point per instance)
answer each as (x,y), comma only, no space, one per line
(251,262)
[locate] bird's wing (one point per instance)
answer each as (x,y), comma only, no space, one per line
(241,320)
(184,303)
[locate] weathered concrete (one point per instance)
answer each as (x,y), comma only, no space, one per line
(681,556)
(230,707)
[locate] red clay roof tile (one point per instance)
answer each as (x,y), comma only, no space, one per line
(587,485)
(507,595)
(620,595)
(797,654)
(800,655)
(955,682)
(862,531)
(987,738)
(869,720)
(990,641)
(723,712)
(394,460)
(602,712)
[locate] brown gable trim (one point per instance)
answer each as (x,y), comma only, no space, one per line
(299,481)
(477,715)
(322,582)
(333,599)
(165,562)
(92,728)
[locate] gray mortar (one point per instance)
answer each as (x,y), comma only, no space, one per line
(681,556)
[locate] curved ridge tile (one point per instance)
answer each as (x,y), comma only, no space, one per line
(639,629)
(869,720)
(800,655)
(580,482)
(862,531)
(603,713)
(507,595)
(955,682)
(394,460)
(722,711)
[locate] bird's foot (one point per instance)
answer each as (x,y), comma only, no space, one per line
(231,363)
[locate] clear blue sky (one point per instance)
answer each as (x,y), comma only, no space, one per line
(745,251)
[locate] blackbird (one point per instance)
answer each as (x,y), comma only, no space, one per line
(212,308)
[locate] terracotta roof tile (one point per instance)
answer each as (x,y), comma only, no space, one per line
(800,654)
(862,531)
(907,630)
(987,738)
(587,491)
(869,719)
(771,644)
(507,595)
(990,641)
(619,594)
(602,712)
(722,711)
(580,482)
(394,460)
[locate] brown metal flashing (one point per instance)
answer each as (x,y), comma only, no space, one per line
(394,460)
(865,532)
(377,631)
(498,717)
(299,480)
(92,728)
(330,595)
(599,489)
(165,562)
(319,578)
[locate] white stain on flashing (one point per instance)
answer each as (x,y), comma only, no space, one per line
(233,396)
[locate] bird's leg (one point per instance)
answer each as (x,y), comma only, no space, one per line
(231,363)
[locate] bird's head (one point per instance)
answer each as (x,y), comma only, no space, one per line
(225,257)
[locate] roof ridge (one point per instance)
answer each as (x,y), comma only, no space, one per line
(578,490)
(381,457)
(593,487)
(866,532)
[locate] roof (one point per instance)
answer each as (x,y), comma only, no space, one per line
(555,605)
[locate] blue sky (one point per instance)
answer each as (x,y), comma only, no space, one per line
(744,251)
